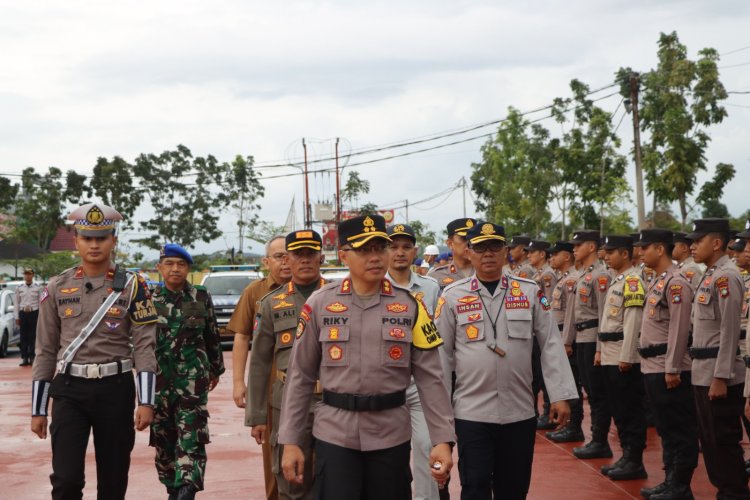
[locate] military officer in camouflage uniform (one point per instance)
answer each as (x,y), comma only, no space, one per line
(90,377)
(685,262)
(188,349)
(277,322)
(519,264)
(364,338)
(591,290)
(490,322)
(460,266)
(717,370)
(619,332)
(562,304)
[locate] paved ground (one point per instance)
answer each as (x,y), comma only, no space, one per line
(234,463)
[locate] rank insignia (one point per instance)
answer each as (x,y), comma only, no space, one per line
(69,290)
(283,304)
(333,333)
(112,325)
(397,308)
(652,312)
(468,299)
(474,317)
(337,307)
(68,312)
(439,307)
(280,296)
(286,338)
(335,352)
(419,296)
(472,332)
(396,352)
(346,285)
(397,333)
(660,285)
(386,288)
(256,322)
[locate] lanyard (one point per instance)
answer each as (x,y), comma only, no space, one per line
(492,345)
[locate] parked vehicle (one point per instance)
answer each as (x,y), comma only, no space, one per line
(225,284)
(9,331)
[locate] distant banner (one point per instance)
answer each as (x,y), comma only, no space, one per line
(388,215)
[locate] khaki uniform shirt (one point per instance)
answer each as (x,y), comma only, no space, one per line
(623,311)
(523,270)
(489,387)
(127,331)
(26,298)
(546,279)
(364,345)
(744,322)
(717,308)
(591,290)
(646,273)
(274,337)
(692,271)
(562,296)
(445,275)
(244,314)
(666,320)
(423,288)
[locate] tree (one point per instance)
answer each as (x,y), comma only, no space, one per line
(681,99)
(183,213)
(113,183)
(51,264)
(711,191)
(424,235)
(8,193)
(241,190)
(368,209)
(355,187)
(265,230)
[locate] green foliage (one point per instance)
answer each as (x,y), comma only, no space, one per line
(8,193)
(355,187)
(113,183)
(265,230)
(425,236)
(711,191)
(242,190)
(50,264)
(368,209)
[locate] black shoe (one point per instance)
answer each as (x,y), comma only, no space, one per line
(543,423)
(25,362)
(186,492)
(679,486)
(609,467)
(566,435)
(629,470)
(649,492)
(593,449)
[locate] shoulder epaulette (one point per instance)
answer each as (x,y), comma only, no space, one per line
(455,283)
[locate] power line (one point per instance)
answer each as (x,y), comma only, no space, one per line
(735,51)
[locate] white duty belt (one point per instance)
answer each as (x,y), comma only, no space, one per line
(87,330)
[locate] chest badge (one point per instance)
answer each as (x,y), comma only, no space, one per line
(283,304)
(397,333)
(336,307)
(333,333)
(68,312)
(286,338)
(396,353)
(397,308)
(112,325)
(472,332)
(335,352)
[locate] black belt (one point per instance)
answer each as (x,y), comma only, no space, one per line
(743,334)
(585,325)
(560,326)
(652,351)
(361,402)
(705,352)
(611,336)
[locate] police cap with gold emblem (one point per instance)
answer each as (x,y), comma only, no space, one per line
(561,246)
(460,226)
(304,238)
(650,236)
(359,230)
(485,231)
(538,245)
(702,227)
(175,250)
(615,241)
(585,235)
(95,219)
(746,233)
(404,230)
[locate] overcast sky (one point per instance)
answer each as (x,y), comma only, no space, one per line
(80,80)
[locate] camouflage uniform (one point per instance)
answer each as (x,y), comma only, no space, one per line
(188,351)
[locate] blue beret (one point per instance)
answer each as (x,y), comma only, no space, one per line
(174,250)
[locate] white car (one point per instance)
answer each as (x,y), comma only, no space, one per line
(225,287)
(9,332)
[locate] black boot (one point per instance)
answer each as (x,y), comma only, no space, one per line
(679,486)
(186,492)
(172,493)
(631,469)
(569,434)
(24,362)
(593,449)
(543,422)
(648,492)
(620,462)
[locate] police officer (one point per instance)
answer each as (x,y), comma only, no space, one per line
(546,279)
(274,336)
(489,322)
(403,252)
(188,350)
(619,329)
(460,266)
(665,364)
(96,323)
(563,301)
(364,338)
(589,302)
(519,264)
(718,373)
(685,262)
(26,312)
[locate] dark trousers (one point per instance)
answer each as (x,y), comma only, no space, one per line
(576,407)
(592,379)
(27,339)
(720,432)
(81,405)
(537,378)
(495,459)
(625,396)
(362,475)
(674,417)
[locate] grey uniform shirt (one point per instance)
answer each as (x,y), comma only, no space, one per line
(716,323)
(622,313)
(588,303)
(666,320)
(692,271)
(562,297)
(27,298)
(491,388)
(546,279)
(445,275)
(425,289)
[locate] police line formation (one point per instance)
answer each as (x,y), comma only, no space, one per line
(349,379)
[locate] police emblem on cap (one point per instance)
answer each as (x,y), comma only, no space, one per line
(94,215)
(695,226)
(606,240)
(576,236)
(487,229)
(470,223)
(368,223)
(747,224)
(399,228)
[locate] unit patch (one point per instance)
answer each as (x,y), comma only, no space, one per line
(286,338)
(397,333)
(603,283)
(335,352)
(472,332)
(396,352)
(543,300)
(722,286)
(675,294)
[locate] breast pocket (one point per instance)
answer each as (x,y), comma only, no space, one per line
(396,344)
(195,315)
(68,311)
(557,299)
(706,310)
(470,327)
(334,345)
(584,294)
(519,323)
(284,332)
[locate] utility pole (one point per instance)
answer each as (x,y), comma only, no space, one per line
(406,202)
(463,184)
(308,215)
(637,151)
(338,193)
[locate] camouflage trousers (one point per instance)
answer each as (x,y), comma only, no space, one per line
(179,432)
